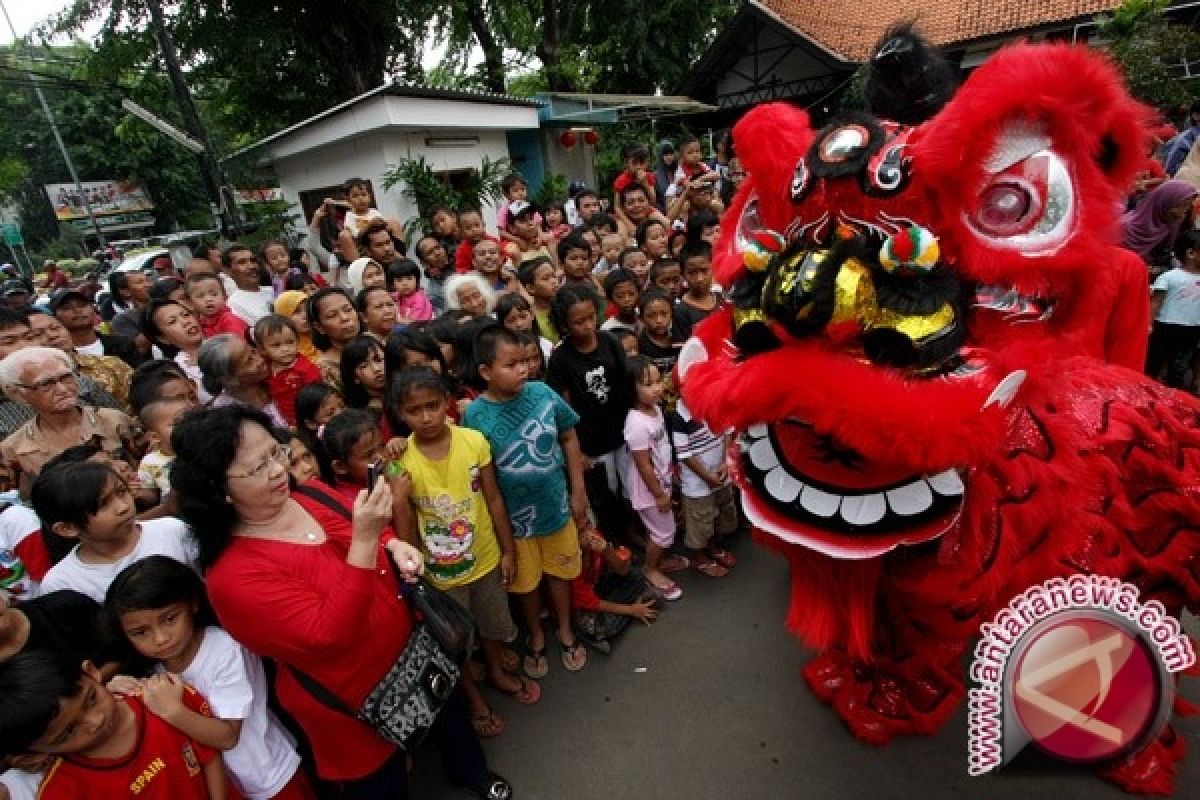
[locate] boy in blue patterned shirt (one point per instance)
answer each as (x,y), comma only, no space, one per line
(531,431)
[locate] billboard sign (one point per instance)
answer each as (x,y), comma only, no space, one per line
(105,197)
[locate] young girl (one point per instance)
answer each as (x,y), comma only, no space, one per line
(416,348)
(158,607)
(316,404)
(89,503)
(363,374)
(378,311)
(621,288)
(647,475)
(555,222)
(588,370)
(656,340)
(535,356)
(514,312)
(450,506)
(278,341)
(334,322)
(302,462)
(651,237)
(635,262)
(274,254)
(290,304)
(411,303)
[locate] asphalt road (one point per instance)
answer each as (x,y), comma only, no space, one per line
(709,703)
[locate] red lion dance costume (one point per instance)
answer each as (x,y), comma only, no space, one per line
(933,362)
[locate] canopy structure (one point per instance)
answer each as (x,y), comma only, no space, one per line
(579,108)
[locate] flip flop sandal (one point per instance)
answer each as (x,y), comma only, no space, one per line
(669,592)
(574,656)
(487,725)
(675,563)
(722,556)
(534,664)
(711,568)
(529,693)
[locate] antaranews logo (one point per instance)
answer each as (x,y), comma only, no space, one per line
(1077,666)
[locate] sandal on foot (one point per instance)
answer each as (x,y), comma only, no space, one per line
(722,556)
(534,664)
(493,787)
(669,592)
(487,725)
(574,655)
(711,568)
(529,693)
(675,563)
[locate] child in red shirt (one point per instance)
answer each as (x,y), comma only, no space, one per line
(278,339)
(206,293)
(609,593)
(107,746)
(470,222)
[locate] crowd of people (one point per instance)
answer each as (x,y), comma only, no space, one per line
(222,476)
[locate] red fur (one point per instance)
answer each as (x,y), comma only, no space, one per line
(1092,469)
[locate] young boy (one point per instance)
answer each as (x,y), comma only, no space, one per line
(538,277)
(1175,308)
(473,232)
(105,746)
(360,215)
(531,431)
(206,293)
(637,172)
(609,593)
(666,275)
(700,300)
(444,226)
(709,508)
(515,189)
(158,418)
(621,289)
(278,339)
(575,257)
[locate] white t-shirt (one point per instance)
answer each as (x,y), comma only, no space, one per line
(356,224)
(251,306)
(232,679)
(166,536)
(96,348)
(21,785)
(1181,306)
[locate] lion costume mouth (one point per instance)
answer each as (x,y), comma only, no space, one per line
(805,488)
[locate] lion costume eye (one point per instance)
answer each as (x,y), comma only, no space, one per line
(1028,201)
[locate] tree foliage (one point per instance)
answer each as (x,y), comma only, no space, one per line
(1150,51)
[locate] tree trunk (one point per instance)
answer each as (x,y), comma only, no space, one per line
(493,54)
(550,47)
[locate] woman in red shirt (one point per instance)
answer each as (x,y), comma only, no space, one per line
(302,585)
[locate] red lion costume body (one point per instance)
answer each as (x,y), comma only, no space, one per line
(935,372)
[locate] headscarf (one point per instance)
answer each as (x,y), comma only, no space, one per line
(1146,227)
(354,273)
(286,305)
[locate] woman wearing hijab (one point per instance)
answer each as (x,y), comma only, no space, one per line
(665,164)
(1155,221)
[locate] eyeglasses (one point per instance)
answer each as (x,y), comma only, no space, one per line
(280,454)
(47,383)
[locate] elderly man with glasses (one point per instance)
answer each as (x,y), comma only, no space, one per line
(44,379)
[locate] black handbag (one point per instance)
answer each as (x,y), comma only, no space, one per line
(406,701)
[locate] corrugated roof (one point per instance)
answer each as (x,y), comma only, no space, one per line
(850,28)
(396,90)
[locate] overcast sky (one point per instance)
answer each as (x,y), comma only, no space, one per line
(28,14)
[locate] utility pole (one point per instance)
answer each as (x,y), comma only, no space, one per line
(210,172)
(62,148)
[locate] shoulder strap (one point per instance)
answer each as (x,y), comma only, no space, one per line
(320,693)
(325,499)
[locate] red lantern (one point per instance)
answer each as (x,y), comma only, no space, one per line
(591,137)
(568,139)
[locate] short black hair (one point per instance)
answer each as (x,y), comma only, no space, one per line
(489,340)
(660,266)
(695,248)
(273,323)
(510,302)
(415,339)
(615,278)
(573,241)
(528,269)
(10,318)
(634,151)
(653,295)
(319,338)
(351,183)
(360,300)
(70,492)
(643,229)
(161,289)
(33,683)
(630,189)
(585,192)
(149,378)
(234,247)
(510,180)
(1186,240)
(601,221)
(564,298)
(117,280)
(409,380)
(404,268)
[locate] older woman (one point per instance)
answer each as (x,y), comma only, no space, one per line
(334,323)
(470,294)
(294,582)
(44,379)
(175,329)
(235,372)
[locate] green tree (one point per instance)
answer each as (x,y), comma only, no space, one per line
(1150,51)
